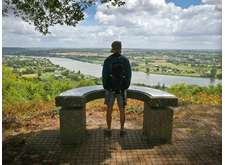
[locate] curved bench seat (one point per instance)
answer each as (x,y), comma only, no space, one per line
(78,96)
(158,116)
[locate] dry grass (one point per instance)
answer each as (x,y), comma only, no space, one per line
(29,116)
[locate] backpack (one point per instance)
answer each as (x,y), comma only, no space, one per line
(118,77)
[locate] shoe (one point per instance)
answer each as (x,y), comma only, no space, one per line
(122,132)
(107,132)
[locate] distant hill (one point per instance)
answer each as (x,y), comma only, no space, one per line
(46,51)
(54,51)
(25,51)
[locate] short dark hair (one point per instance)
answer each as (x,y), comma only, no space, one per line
(116,45)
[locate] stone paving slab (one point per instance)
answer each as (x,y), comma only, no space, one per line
(45,148)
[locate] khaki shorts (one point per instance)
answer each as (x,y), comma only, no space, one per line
(110,97)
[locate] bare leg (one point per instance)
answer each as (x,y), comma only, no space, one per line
(121,104)
(109,117)
(122,118)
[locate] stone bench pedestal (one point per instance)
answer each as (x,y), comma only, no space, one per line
(158,124)
(72,124)
(158,116)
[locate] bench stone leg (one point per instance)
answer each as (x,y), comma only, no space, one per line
(158,124)
(146,119)
(72,125)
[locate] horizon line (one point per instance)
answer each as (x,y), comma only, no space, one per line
(220,49)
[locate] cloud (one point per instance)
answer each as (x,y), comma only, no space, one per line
(162,19)
(139,24)
(18,33)
(217,3)
(212,2)
(151,19)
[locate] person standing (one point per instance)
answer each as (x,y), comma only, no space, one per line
(116,78)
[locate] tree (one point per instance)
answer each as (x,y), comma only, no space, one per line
(65,73)
(39,74)
(146,62)
(46,13)
(147,70)
(213,72)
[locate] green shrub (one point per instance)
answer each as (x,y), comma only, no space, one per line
(197,94)
(16,88)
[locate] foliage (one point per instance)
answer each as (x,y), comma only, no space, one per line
(28,101)
(17,89)
(47,13)
(193,94)
(211,95)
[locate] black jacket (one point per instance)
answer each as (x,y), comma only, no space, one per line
(106,79)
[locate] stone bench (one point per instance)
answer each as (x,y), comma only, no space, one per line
(158,114)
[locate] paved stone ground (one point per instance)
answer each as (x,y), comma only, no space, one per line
(44,147)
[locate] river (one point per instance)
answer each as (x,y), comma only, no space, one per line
(137,77)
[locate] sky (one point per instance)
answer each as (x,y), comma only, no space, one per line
(149,24)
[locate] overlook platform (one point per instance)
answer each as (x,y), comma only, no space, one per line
(194,143)
(190,135)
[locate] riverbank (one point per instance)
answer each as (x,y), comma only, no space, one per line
(136,68)
(137,77)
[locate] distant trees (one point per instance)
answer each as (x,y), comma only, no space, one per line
(146,62)
(133,64)
(65,73)
(49,69)
(46,13)
(28,71)
(39,73)
(147,70)
(213,72)
(219,76)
